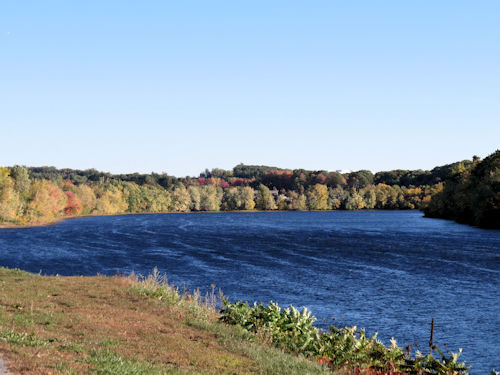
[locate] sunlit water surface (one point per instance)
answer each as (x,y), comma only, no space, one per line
(386,271)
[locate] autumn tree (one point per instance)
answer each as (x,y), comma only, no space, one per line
(48,201)
(110,199)
(317,197)
(73,202)
(264,199)
(181,200)
(157,199)
(246,197)
(386,197)
(210,198)
(9,197)
(354,201)
(282,202)
(238,198)
(369,197)
(413,197)
(334,179)
(280,178)
(336,198)
(195,195)
(87,199)
(297,201)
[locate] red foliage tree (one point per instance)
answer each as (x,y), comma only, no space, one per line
(74,205)
(240,181)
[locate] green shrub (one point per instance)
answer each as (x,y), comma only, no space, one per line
(345,347)
(287,328)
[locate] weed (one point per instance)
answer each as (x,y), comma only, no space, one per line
(22,339)
(156,286)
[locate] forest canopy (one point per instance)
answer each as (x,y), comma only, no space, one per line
(470,194)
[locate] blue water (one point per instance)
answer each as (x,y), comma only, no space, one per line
(386,271)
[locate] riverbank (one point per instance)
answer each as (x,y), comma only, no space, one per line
(120,325)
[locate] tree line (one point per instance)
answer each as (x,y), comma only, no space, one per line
(254,175)
(44,194)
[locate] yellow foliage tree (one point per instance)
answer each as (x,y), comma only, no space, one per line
(211,198)
(88,199)
(181,200)
(9,198)
(111,200)
(317,197)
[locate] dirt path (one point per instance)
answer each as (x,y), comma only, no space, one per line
(3,367)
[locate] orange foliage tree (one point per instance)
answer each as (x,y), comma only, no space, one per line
(48,201)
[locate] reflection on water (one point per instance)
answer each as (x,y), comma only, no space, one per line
(387,271)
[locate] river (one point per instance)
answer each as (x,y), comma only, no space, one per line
(386,271)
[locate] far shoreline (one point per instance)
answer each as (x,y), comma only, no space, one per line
(61,219)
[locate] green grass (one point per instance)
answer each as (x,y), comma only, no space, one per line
(272,360)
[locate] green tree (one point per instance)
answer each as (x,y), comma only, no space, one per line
(22,181)
(195,194)
(360,179)
(334,179)
(470,194)
(136,199)
(230,199)
(336,198)
(369,196)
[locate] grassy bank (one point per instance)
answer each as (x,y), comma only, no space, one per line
(118,325)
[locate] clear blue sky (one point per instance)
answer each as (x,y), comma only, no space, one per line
(180,86)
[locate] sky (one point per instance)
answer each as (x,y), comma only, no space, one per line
(180,86)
